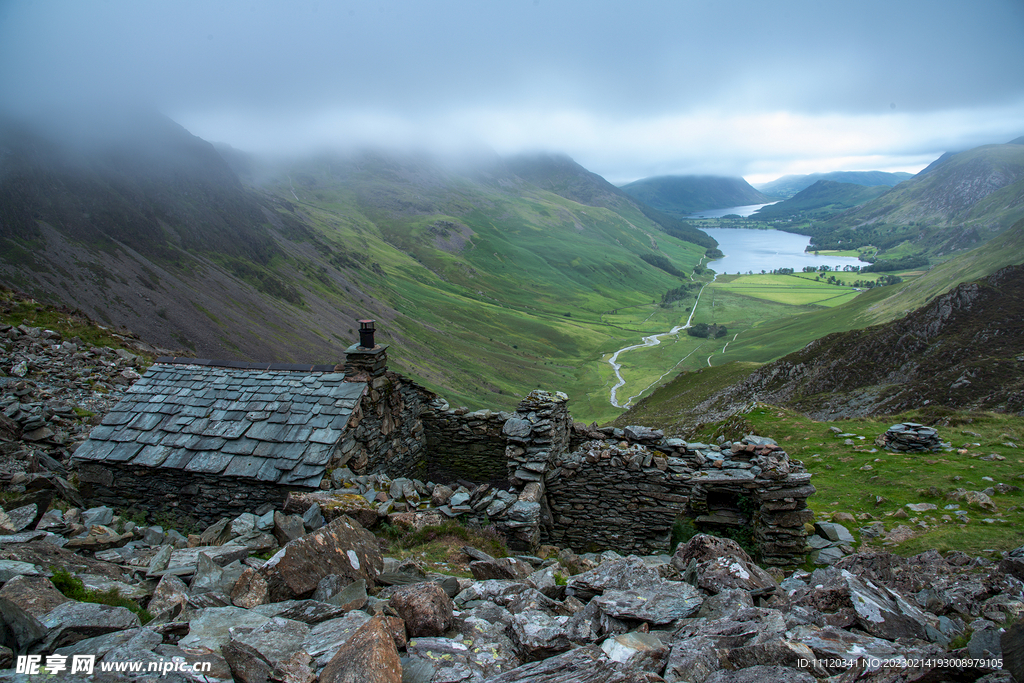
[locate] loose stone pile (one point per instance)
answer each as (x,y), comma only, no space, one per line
(909,437)
(328,607)
(51,388)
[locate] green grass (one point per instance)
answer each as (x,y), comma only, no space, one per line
(72,587)
(876,485)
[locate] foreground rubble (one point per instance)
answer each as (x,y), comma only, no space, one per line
(327,606)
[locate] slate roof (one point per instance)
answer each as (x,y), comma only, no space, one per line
(272,423)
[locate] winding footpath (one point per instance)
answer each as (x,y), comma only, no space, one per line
(652,340)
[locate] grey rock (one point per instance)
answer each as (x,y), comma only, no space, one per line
(657,605)
(209,628)
(72,621)
(538,635)
(99,515)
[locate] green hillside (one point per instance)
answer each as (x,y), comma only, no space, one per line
(957,203)
(679,196)
(820,201)
(484,284)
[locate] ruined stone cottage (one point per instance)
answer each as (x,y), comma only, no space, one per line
(215,439)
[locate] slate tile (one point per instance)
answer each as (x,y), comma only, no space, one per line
(178,440)
(114,419)
(94,450)
(226,430)
(325,436)
(169,409)
(265,431)
(177,458)
(210,462)
(301,474)
(151,456)
(340,422)
(146,421)
(290,451)
(268,472)
(244,466)
(242,446)
(297,418)
(154,436)
(318,454)
(190,410)
(295,433)
(125,434)
(102,432)
(233,415)
(123,451)
(278,418)
(198,426)
(206,443)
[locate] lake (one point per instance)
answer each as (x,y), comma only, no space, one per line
(743,211)
(756,250)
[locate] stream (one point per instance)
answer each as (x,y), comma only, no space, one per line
(652,340)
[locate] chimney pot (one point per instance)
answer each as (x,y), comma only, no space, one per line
(366,330)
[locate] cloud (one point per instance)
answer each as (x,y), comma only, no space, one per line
(628,89)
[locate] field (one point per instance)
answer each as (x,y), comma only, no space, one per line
(853,475)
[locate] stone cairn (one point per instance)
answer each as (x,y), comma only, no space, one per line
(909,437)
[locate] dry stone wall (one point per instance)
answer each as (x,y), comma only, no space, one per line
(464,445)
(386,432)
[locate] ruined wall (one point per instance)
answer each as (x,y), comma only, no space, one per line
(464,445)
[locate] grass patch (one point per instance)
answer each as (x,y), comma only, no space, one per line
(72,587)
(851,474)
(438,547)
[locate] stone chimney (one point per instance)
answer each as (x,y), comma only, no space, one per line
(367,359)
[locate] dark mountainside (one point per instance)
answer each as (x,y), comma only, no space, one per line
(680,196)
(821,200)
(789,185)
(956,203)
(962,351)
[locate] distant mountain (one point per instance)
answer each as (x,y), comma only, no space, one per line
(484,284)
(789,185)
(561,175)
(821,200)
(956,203)
(680,196)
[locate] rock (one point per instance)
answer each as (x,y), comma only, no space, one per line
(501,568)
(538,635)
(642,650)
(311,612)
(72,621)
(623,574)
(270,651)
(312,518)
(209,628)
(658,605)
(836,533)
(369,656)
(243,524)
(218,533)
(580,665)
(348,596)
(23,628)
(425,607)
(759,673)
(326,637)
(169,598)
(34,594)
(98,515)
(287,528)
(342,547)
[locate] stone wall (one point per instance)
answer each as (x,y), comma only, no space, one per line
(464,445)
(621,494)
(205,498)
(386,431)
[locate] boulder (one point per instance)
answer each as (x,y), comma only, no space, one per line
(368,656)
(425,607)
(579,665)
(622,574)
(658,605)
(34,594)
(72,621)
(501,568)
(326,637)
(538,635)
(342,547)
(271,651)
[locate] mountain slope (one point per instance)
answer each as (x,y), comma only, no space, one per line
(960,351)
(823,199)
(680,196)
(485,285)
(789,185)
(956,203)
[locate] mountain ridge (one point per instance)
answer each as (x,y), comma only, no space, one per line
(789,185)
(680,196)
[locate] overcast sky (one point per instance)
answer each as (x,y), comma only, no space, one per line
(627,88)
